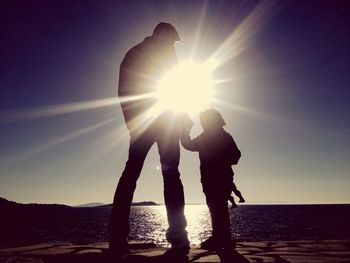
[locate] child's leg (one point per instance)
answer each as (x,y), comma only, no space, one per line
(220,221)
(237,193)
(232,200)
(241,199)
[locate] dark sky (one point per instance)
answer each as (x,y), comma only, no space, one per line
(286,101)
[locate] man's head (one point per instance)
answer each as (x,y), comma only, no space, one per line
(166,32)
(211,119)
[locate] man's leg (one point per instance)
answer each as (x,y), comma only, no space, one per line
(118,228)
(169,151)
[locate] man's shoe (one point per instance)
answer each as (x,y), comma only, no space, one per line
(176,254)
(210,244)
(184,249)
(213,244)
(229,245)
(117,255)
(118,251)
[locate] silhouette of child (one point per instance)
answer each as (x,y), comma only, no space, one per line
(217,152)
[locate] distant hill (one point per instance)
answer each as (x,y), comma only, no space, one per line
(15,214)
(23,224)
(6,204)
(91,204)
(144,203)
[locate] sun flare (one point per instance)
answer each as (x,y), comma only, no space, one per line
(187,87)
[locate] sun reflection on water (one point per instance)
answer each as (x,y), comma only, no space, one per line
(150,224)
(198,223)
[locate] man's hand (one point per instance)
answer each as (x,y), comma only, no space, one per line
(185,122)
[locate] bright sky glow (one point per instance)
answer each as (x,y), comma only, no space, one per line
(281,82)
(187,87)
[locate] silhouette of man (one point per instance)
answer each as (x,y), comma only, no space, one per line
(142,66)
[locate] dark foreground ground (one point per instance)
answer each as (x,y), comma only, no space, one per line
(278,251)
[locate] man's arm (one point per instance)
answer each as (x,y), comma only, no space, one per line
(186,141)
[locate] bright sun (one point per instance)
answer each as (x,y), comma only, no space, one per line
(187,87)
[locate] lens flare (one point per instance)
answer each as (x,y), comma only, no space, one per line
(187,87)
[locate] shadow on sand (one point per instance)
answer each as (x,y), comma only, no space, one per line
(94,257)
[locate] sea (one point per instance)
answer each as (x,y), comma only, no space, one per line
(149,223)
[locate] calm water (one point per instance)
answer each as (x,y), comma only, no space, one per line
(248,223)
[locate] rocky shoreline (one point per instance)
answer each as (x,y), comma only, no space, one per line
(140,252)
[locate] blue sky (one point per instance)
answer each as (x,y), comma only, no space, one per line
(286,98)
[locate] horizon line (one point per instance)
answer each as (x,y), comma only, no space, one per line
(189,203)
